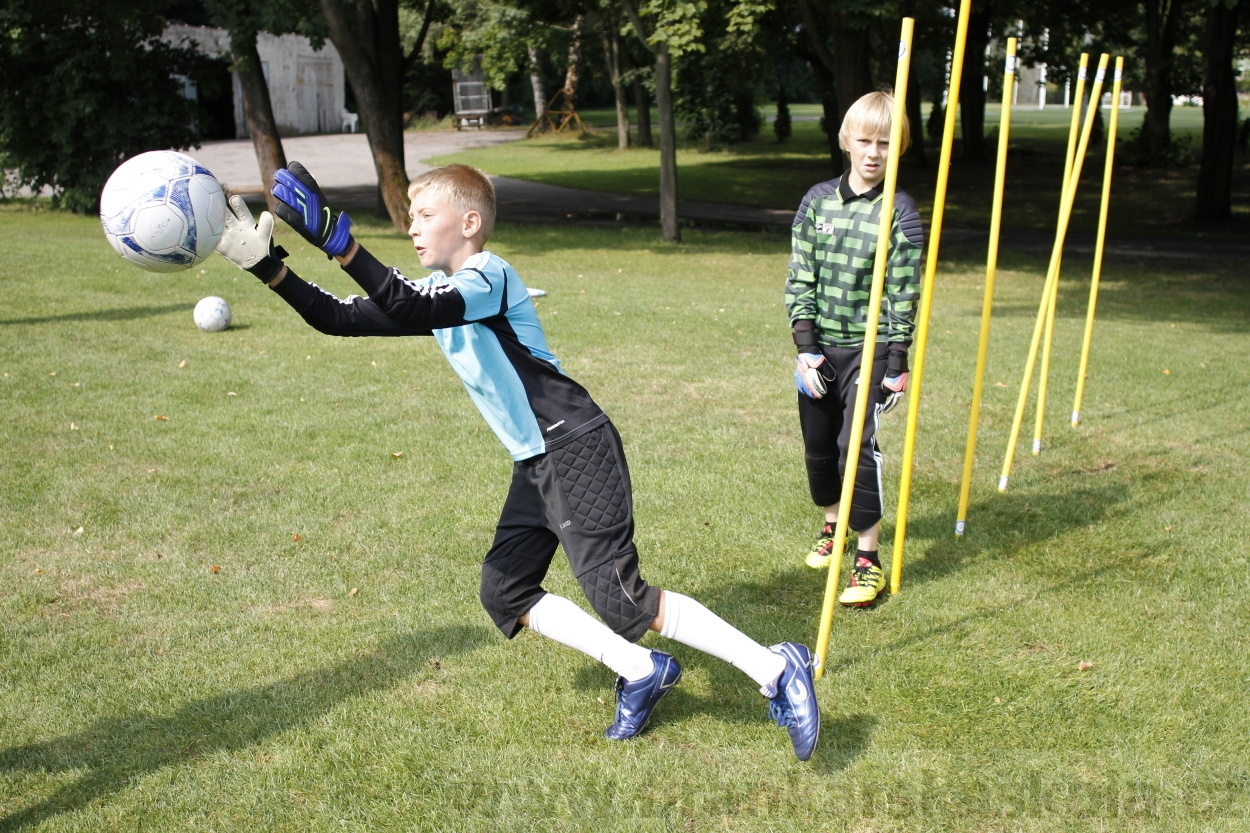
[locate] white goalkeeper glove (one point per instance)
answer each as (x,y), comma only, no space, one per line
(248,244)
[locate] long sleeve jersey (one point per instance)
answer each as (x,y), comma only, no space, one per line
(833,249)
(486,325)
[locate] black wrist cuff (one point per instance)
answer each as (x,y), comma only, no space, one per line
(268,267)
(806,341)
(896,363)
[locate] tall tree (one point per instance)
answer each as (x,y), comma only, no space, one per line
(83,85)
(242,20)
(972,86)
(1219,112)
(666,29)
(609,25)
(1163,20)
(375,62)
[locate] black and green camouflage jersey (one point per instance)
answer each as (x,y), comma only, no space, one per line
(833,246)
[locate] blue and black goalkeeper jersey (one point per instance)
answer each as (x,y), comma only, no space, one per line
(484,321)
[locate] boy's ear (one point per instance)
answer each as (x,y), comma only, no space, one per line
(472,223)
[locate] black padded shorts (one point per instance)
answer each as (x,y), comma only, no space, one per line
(576,496)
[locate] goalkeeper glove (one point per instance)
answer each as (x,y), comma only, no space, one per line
(302,204)
(809,375)
(249,244)
(895,383)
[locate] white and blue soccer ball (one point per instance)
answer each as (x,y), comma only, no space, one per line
(163,211)
(212,314)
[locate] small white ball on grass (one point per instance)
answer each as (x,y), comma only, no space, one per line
(212,314)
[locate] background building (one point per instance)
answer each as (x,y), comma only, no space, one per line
(306,86)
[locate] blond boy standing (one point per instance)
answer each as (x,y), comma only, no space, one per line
(833,249)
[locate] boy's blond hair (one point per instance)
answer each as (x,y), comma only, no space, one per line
(462,187)
(870,116)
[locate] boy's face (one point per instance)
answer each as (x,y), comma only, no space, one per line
(443,237)
(868,157)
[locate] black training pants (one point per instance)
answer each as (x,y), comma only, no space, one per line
(826,425)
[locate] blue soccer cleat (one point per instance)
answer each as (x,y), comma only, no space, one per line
(794,706)
(635,701)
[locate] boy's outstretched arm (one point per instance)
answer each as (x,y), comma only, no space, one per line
(249,245)
(415,307)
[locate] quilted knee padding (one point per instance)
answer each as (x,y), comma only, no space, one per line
(597,493)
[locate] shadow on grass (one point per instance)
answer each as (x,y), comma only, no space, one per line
(116,751)
(121,314)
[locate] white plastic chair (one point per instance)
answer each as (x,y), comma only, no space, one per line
(350,121)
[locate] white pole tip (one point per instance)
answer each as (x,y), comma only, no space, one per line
(1002,483)
(1037,447)
(959,528)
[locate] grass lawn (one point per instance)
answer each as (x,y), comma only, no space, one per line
(762,173)
(240,570)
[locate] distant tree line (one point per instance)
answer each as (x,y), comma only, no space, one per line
(85,84)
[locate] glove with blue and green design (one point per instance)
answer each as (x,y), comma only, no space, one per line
(303,205)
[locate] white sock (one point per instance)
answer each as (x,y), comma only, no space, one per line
(557,618)
(690,623)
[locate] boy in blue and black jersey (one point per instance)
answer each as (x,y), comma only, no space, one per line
(833,251)
(570,484)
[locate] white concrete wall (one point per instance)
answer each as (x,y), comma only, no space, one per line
(307,87)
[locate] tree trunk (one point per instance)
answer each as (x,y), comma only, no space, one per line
(817,55)
(915,151)
(1219,115)
(1162,21)
(612,54)
(258,110)
(573,72)
(668,144)
(852,69)
(536,83)
(972,86)
(643,107)
(915,119)
(373,60)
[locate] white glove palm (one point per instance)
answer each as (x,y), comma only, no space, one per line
(248,243)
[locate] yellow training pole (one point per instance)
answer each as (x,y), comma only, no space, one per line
(885,223)
(1048,339)
(1052,277)
(926,296)
(991,270)
(1102,234)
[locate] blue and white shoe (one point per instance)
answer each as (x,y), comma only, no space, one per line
(636,700)
(794,706)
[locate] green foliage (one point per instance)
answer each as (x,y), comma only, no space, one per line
(715,88)
(84,85)
(496,34)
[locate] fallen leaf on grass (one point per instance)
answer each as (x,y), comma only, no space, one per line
(216,568)
(231,393)
(161,418)
(78,531)
(1085,665)
(73,427)
(1167,529)
(397,454)
(1167,372)
(1000,384)
(353,592)
(38,572)
(182,363)
(297,537)
(434,663)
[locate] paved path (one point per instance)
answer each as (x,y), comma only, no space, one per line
(344,167)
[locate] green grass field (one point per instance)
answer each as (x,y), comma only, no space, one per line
(763,173)
(240,570)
